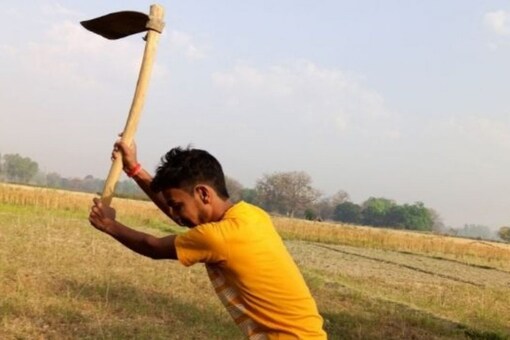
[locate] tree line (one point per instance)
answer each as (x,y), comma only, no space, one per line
(283,193)
(292,194)
(15,168)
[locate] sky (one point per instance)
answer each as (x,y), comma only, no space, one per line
(406,100)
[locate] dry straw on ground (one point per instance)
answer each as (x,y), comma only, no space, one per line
(62,279)
(473,251)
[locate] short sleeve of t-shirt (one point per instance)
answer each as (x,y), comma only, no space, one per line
(203,243)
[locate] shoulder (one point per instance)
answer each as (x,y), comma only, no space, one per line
(239,216)
(243,210)
(207,233)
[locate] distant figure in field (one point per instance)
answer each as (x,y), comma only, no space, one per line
(249,267)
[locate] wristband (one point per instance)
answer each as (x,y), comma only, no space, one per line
(135,171)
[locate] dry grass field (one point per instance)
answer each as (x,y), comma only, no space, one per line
(62,279)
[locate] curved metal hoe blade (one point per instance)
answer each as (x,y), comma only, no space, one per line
(118,25)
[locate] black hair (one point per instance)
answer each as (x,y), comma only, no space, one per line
(185,168)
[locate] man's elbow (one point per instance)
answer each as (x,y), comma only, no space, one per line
(157,248)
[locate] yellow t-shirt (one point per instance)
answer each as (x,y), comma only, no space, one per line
(253,275)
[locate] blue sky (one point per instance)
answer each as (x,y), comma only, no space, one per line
(400,99)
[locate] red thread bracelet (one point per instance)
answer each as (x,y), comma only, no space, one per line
(135,171)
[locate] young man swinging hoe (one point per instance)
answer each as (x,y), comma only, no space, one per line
(249,267)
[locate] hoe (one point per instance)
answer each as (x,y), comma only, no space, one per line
(116,26)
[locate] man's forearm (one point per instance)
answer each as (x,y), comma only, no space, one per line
(140,242)
(144,179)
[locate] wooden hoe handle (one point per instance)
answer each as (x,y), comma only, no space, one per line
(156,14)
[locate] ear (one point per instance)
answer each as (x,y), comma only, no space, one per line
(203,192)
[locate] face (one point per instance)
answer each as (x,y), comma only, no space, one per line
(187,209)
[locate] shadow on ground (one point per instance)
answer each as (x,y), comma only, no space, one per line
(122,311)
(350,315)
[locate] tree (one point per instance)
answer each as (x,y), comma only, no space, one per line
(249,195)
(477,231)
(415,217)
(286,192)
(339,197)
(325,207)
(374,211)
(53,180)
(418,217)
(347,212)
(2,169)
(91,184)
(437,221)
(234,188)
(504,233)
(19,169)
(126,188)
(310,214)
(40,179)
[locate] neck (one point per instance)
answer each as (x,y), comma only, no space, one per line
(221,209)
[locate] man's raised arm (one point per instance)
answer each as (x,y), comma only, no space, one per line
(134,170)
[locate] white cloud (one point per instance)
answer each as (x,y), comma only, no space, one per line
(64,52)
(68,53)
(498,22)
(56,9)
(307,95)
(184,43)
(481,131)
(71,54)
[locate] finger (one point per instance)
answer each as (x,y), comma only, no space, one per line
(115,154)
(97,202)
(94,213)
(121,146)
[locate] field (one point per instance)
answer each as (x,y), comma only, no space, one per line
(62,279)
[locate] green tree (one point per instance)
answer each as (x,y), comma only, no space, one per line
(19,169)
(310,214)
(374,211)
(347,212)
(504,233)
(418,217)
(414,217)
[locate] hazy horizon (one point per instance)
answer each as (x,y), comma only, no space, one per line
(406,101)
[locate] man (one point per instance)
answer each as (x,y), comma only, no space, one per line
(246,260)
